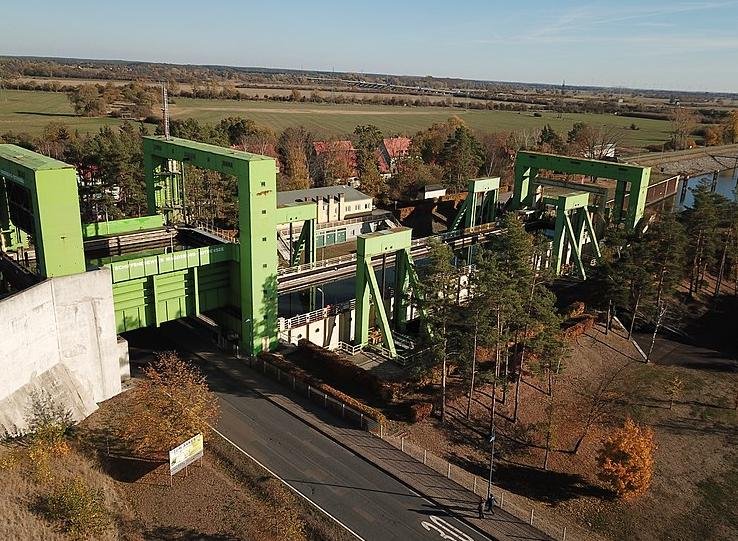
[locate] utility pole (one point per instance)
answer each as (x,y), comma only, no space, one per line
(491,458)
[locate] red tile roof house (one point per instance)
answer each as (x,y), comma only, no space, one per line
(392,150)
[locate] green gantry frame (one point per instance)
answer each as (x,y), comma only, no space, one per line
(38,196)
(307,213)
(473,211)
(573,220)
(630,179)
(257,199)
(399,242)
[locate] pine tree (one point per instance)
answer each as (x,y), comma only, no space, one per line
(437,295)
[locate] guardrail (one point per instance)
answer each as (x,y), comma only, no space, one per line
(225,234)
(285,324)
(317,396)
(334,261)
(349,348)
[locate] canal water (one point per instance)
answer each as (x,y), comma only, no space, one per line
(725,185)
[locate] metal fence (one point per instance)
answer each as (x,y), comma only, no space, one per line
(512,503)
(334,405)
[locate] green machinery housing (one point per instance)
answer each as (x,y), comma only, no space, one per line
(573,201)
(38,197)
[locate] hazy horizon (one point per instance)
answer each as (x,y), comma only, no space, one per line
(682,46)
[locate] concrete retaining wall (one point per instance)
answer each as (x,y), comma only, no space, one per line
(60,333)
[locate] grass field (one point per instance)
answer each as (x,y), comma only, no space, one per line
(31,111)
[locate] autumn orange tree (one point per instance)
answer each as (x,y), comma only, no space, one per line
(626,460)
(171,405)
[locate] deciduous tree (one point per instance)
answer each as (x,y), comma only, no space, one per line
(171,405)
(626,460)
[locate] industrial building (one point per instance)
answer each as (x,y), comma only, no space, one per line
(343,214)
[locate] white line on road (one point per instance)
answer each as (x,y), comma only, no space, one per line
(289,486)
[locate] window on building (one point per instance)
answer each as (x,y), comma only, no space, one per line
(366,205)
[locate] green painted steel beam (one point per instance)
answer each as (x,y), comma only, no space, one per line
(131,269)
(256,176)
(121,227)
(468,210)
(296,212)
(46,201)
(631,179)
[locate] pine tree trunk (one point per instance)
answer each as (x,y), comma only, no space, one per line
(722,269)
(443,389)
(633,317)
(474,370)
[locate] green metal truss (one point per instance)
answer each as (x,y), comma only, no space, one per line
(480,204)
(256,273)
(630,179)
(308,214)
(573,220)
(38,195)
(398,241)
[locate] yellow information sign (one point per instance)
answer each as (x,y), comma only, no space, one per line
(185,454)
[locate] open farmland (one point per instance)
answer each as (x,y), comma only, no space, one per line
(30,111)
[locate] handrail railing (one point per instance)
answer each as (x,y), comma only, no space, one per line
(483,228)
(224,234)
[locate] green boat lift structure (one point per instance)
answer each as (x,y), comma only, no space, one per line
(480,205)
(573,227)
(307,213)
(631,180)
(252,269)
(368,292)
(572,201)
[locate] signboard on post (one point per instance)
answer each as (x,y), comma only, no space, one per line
(185,454)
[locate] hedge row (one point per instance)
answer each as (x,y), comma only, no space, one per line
(340,372)
(307,379)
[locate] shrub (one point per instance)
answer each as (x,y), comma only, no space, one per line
(626,460)
(578,326)
(173,404)
(420,411)
(48,421)
(304,377)
(575,309)
(78,509)
(339,372)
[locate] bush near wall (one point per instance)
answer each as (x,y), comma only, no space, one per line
(307,379)
(340,372)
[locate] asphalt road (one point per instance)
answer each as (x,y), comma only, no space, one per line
(372,504)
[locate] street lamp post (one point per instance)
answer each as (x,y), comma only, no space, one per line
(251,337)
(491,459)
(322,297)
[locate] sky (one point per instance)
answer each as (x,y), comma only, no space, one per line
(666,44)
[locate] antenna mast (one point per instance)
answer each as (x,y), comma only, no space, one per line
(165,109)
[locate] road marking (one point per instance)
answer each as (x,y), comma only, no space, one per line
(291,487)
(445,530)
